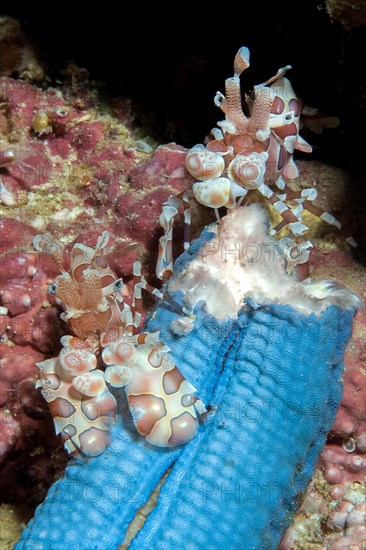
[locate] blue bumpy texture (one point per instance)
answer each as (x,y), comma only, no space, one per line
(273,380)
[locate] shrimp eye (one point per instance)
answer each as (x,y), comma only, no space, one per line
(118,285)
(52,289)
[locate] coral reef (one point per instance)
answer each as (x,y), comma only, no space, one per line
(82,164)
(75,161)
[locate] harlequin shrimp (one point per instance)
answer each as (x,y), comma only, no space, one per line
(249,153)
(106,349)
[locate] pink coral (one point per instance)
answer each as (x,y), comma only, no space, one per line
(26,337)
(71,135)
(150,185)
(341,466)
(351,418)
(343,458)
